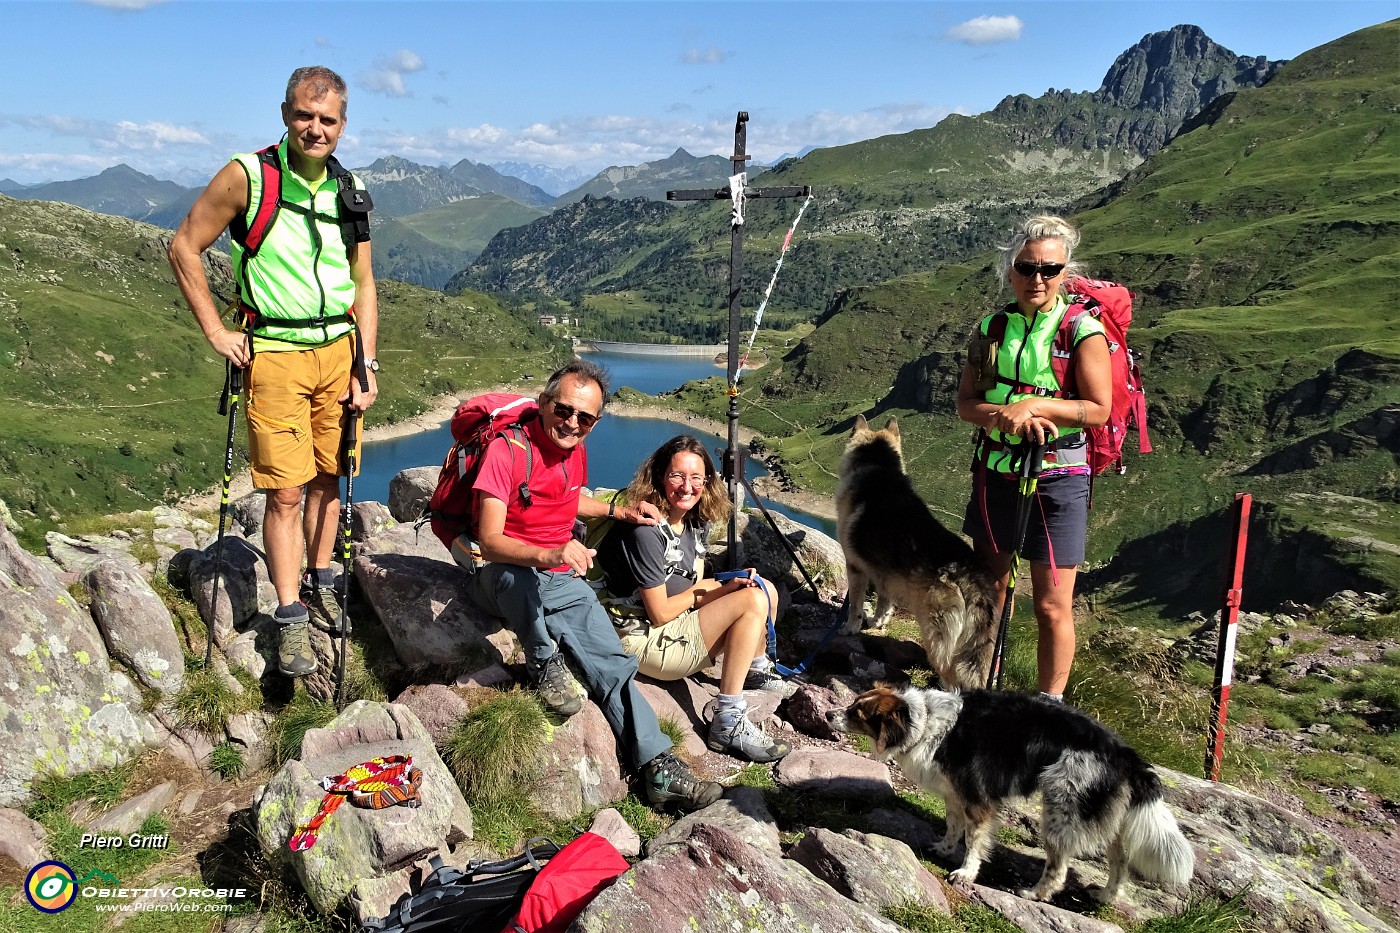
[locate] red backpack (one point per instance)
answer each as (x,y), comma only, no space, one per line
(477,422)
(1112,305)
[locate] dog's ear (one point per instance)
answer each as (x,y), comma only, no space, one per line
(860,425)
(890,715)
(892,426)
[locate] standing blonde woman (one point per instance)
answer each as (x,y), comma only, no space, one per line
(1010,391)
(671,617)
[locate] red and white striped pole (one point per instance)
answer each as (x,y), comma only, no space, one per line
(1225,653)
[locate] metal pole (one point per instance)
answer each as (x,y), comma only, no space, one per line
(1225,652)
(734,466)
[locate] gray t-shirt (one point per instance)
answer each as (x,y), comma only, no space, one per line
(638,557)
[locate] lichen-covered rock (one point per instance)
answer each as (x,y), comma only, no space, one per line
(62,707)
(716,881)
(410,490)
(873,870)
(136,625)
(355,843)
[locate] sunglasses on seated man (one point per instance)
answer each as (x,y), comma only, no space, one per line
(1047,270)
(565,412)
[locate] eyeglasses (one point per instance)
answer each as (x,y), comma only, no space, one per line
(1046,270)
(565,412)
(680,479)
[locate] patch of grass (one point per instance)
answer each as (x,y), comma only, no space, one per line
(226,760)
(52,794)
(291,723)
(1210,914)
(645,821)
(672,730)
(969,918)
(185,614)
(497,748)
(207,701)
(754,775)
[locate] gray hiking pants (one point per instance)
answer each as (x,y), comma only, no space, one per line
(545,609)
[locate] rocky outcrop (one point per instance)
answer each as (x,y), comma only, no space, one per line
(358,847)
(62,707)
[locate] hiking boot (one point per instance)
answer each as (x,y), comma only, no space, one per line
(323,605)
(294,655)
(556,685)
(669,781)
(735,735)
(768,680)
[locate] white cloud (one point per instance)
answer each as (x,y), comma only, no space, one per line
(985,30)
(711,55)
(386,77)
(124,4)
(110,136)
(597,141)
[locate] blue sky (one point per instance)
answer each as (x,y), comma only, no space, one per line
(172,87)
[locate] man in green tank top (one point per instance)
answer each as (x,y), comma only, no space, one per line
(306,295)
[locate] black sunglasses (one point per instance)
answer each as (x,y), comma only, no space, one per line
(1047,270)
(565,412)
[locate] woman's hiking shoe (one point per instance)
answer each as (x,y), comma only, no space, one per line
(294,655)
(669,782)
(558,689)
(324,608)
(733,734)
(769,681)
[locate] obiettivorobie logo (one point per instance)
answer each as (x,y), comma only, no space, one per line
(52,887)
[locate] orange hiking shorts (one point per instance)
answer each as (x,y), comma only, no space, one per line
(295,421)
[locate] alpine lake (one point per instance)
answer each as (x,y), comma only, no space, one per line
(615,447)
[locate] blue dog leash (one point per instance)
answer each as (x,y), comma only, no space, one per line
(783,670)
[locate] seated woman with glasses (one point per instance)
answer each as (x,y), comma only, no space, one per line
(1010,391)
(668,614)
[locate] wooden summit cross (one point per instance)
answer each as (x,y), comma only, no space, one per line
(739,191)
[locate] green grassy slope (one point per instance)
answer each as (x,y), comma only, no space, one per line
(469,224)
(110,390)
(1260,244)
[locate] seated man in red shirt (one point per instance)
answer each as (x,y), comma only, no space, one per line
(533,578)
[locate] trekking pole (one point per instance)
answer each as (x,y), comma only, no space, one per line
(228,405)
(1029,475)
(346,505)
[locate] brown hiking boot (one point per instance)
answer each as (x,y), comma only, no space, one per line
(323,605)
(669,782)
(555,684)
(294,655)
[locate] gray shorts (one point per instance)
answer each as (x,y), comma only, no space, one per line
(1059,516)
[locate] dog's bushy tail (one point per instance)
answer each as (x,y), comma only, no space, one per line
(1152,842)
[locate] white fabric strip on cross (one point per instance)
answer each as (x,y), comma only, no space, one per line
(737,184)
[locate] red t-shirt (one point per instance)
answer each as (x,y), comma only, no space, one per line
(556,480)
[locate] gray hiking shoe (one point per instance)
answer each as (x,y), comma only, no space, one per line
(768,680)
(323,605)
(556,685)
(736,735)
(294,655)
(670,783)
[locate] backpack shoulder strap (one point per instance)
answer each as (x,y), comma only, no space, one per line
(352,205)
(1063,352)
(248,235)
(517,431)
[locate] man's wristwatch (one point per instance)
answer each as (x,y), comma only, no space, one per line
(372,365)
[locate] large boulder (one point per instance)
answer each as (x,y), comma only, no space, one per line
(819,553)
(713,880)
(62,707)
(136,625)
(875,870)
(239,565)
(357,845)
(421,599)
(410,490)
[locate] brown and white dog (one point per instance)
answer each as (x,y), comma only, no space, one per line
(983,749)
(892,540)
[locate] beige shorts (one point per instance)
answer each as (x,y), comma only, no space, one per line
(295,421)
(670,651)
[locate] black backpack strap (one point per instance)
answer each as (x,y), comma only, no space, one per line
(518,429)
(354,206)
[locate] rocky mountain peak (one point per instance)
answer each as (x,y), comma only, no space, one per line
(1176,72)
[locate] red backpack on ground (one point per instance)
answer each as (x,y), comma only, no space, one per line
(477,422)
(1112,304)
(565,886)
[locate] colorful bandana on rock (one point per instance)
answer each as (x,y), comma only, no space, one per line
(389,781)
